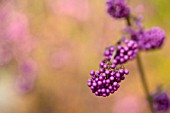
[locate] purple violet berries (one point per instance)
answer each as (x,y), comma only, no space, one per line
(161,101)
(147,39)
(127,50)
(106,81)
(118,8)
(151,39)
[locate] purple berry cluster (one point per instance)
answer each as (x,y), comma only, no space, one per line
(151,39)
(127,50)
(161,101)
(147,39)
(106,81)
(118,8)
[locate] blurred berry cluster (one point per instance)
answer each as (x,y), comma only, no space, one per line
(118,8)
(161,101)
(17,45)
(148,39)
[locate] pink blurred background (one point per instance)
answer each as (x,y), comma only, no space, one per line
(48,47)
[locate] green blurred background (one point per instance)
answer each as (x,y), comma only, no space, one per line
(68,38)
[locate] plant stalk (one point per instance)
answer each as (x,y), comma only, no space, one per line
(142,74)
(144,83)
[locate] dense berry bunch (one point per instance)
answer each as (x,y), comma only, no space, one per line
(118,8)
(106,81)
(127,50)
(161,101)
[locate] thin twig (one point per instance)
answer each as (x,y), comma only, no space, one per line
(144,83)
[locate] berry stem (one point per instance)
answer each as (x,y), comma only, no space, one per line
(144,83)
(128,20)
(113,55)
(142,74)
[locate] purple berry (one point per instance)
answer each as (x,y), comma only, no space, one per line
(107,72)
(92,72)
(115,83)
(99,83)
(126,71)
(94,84)
(89,84)
(111,78)
(118,75)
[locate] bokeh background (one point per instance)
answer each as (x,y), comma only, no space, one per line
(48,47)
